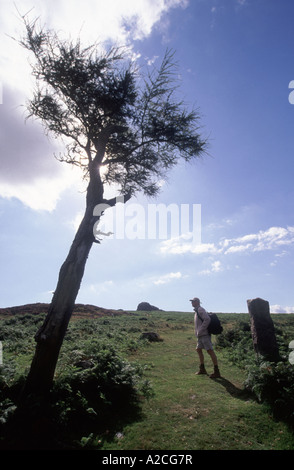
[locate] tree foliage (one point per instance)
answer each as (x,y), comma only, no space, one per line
(134,128)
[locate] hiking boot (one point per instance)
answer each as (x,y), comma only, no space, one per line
(201,370)
(216,373)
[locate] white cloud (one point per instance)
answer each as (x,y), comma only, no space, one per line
(28,170)
(93,21)
(166,278)
(216,267)
(280,309)
(160,279)
(181,245)
(239,248)
(42,195)
(272,239)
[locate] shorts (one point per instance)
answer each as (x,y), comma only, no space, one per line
(204,342)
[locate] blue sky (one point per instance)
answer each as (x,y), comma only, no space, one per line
(236,61)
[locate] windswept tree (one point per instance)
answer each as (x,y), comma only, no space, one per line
(120,128)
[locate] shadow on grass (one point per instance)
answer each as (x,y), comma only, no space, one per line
(234,391)
(278,409)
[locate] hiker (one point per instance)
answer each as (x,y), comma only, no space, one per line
(201,321)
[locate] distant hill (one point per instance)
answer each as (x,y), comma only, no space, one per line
(80,310)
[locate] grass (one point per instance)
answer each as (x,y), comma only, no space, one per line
(190,412)
(185,412)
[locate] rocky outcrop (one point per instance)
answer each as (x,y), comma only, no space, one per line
(146,307)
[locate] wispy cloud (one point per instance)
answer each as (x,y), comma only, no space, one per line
(181,245)
(167,278)
(274,238)
(216,266)
(160,280)
(271,239)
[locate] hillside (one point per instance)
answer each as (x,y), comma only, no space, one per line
(80,310)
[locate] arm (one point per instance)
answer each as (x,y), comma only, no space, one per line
(203,322)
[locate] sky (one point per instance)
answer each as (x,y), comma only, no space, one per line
(236,237)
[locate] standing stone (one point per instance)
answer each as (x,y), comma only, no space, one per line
(262,330)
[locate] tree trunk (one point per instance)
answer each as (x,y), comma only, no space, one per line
(50,336)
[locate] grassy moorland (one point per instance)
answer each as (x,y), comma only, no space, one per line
(116,390)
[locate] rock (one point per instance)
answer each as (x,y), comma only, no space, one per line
(151,336)
(145,306)
(262,330)
(85,364)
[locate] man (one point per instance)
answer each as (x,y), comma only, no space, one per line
(201,321)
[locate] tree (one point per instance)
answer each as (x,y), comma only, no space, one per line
(119,128)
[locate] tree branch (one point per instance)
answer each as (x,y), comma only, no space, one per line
(122,198)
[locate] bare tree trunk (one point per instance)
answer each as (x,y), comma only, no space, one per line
(50,336)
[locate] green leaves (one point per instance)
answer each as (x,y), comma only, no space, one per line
(136,129)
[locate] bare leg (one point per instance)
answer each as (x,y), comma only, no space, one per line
(201,359)
(213,356)
(216,372)
(200,354)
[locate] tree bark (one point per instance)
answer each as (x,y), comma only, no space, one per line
(50,336)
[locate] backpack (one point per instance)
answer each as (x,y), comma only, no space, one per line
(214,327)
